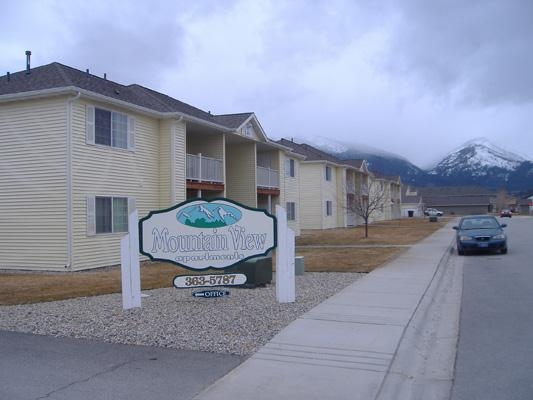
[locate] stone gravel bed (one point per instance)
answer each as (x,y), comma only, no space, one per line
(237,324)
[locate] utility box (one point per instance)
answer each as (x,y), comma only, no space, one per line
(258,271)
(299,267)
(433,218)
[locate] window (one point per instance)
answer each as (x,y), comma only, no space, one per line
(106,214)
(110,128)
(289,168)
(291,211)
(328,173)
(329,208)
(248,130)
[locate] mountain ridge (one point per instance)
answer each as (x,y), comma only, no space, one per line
(477,162)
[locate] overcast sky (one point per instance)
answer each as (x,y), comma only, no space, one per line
(417,78)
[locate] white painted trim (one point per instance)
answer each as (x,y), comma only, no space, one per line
(68,166)
(173,164)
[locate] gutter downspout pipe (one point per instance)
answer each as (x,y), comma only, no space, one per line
(68,171)
(173,160)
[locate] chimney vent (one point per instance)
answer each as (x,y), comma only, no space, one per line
(105,76)
(8,76)
(87,71)
(28,55)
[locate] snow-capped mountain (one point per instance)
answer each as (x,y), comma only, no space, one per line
(478,157)
(380,161)
(480,162)
(210,215)
(477,162)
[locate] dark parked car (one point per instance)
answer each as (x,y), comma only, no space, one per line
(506,213)
(480,232)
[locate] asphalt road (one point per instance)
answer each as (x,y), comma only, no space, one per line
(495,350)
(42,367)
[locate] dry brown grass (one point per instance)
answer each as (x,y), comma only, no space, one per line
(346,259)
(396,232)
(26,287)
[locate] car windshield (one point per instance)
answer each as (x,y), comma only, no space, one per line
(479,223)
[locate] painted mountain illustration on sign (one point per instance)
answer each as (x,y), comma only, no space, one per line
(209,215)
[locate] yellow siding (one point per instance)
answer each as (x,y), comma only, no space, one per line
(208,145)
(180,162)
(101,170)
(330,193)
(342,211)
(165,173)
(240,173)
(33,184)
(290,190)
(312,202)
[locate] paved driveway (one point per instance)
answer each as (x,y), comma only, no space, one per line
(39,367)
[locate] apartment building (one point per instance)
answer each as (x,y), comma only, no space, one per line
(78,152)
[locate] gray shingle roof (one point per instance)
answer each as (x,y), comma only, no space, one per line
(56,76)
(472,200)
(311,153)
(454,191)
(232,120)
(357,163)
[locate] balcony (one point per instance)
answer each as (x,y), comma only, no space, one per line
(204,169)
(350,187)
(267,178)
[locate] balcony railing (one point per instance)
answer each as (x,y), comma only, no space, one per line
(204,169)
(350,187)
(268,178)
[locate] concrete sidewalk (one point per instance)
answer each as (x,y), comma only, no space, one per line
(343,348)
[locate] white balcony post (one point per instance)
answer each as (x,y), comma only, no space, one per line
(199,167)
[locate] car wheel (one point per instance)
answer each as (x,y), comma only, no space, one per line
(504,250)
(460,251)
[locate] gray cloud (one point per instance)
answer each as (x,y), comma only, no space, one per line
(480,48)
(396,75)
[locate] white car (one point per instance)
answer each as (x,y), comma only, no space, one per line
(433,212)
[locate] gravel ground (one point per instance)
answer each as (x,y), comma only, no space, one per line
(237,324)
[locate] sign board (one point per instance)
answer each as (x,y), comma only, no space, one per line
(200,234)
(192,281)
(211,293)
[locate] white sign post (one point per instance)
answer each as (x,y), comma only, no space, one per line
(130,266)
(285,280)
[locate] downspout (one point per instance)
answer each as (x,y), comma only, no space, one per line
(69,179)
(173,162)
(173,165)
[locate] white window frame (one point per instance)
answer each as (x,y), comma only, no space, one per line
(329,208)
(290,206)
(328,173)
(91,214)
(290,167)
(90,116)
(248,130)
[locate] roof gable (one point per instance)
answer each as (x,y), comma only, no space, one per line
(245,124)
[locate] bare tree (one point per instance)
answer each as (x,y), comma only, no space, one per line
(365,202)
